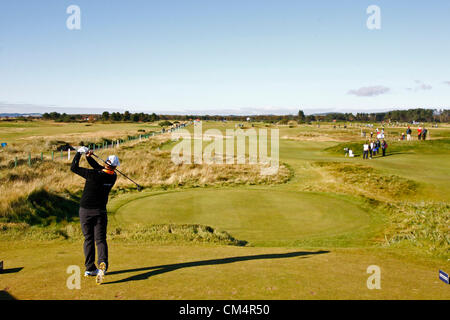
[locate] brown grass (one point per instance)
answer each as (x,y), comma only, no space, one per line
(142,161)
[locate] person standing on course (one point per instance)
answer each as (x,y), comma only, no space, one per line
(419,133)
(424,133)
(93,215)
(384,146)
(371,148)
(408,134)
(365,150)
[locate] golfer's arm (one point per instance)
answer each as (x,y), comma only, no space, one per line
(75,167)
(93,163)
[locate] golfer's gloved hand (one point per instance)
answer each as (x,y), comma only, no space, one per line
(83,149)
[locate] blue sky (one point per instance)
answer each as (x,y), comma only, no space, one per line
(234,56)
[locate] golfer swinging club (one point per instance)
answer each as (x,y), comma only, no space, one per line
(93,216)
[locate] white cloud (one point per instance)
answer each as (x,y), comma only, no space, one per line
(420,86)
(370,91)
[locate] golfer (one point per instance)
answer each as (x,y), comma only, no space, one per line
(93,217)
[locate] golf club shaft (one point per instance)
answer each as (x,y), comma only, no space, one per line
(118,171)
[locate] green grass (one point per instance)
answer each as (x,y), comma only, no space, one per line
(146,271)
(19,132)
(260,216)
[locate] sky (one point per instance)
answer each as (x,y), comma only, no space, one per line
(224,57)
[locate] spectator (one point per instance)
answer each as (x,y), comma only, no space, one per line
(375,148)
(384,146)
(371,149)
(424,134)
(419,133)
(408,134)
(366,150)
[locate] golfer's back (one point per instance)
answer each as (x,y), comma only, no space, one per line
(96,189)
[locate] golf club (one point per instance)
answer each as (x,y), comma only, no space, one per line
(138,186)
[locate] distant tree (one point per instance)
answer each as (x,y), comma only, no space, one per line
(54,115)
(116,116)
(126,116)
(301,116)
(165,123)
(105,115)
(135,117)
(154,117)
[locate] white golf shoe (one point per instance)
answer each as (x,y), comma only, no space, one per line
(101,272)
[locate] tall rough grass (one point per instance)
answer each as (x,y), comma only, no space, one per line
(425,225)
(143,161)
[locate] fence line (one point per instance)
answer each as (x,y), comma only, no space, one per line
(99,146)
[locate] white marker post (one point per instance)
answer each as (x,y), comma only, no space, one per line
(68,154)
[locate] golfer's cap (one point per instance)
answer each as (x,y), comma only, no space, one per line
(113,161)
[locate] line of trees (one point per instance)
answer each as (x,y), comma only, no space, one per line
(64,117)
(127,116)
(421,115)
(105,116)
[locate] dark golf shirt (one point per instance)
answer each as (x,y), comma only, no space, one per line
(98,183)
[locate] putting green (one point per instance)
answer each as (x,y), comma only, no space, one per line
(260,216)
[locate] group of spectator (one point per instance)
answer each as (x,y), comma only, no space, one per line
(372,148)
(421,134)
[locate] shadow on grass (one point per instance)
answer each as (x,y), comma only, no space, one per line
(393,154)
(388,154)
(5,295)
(43,207)
(11,270)
(156,270)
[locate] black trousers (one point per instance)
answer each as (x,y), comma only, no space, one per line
(366,154)
(93,224)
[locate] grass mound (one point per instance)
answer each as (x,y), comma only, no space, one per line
(366,180)
(136,233)
(43,207)
(168,233)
